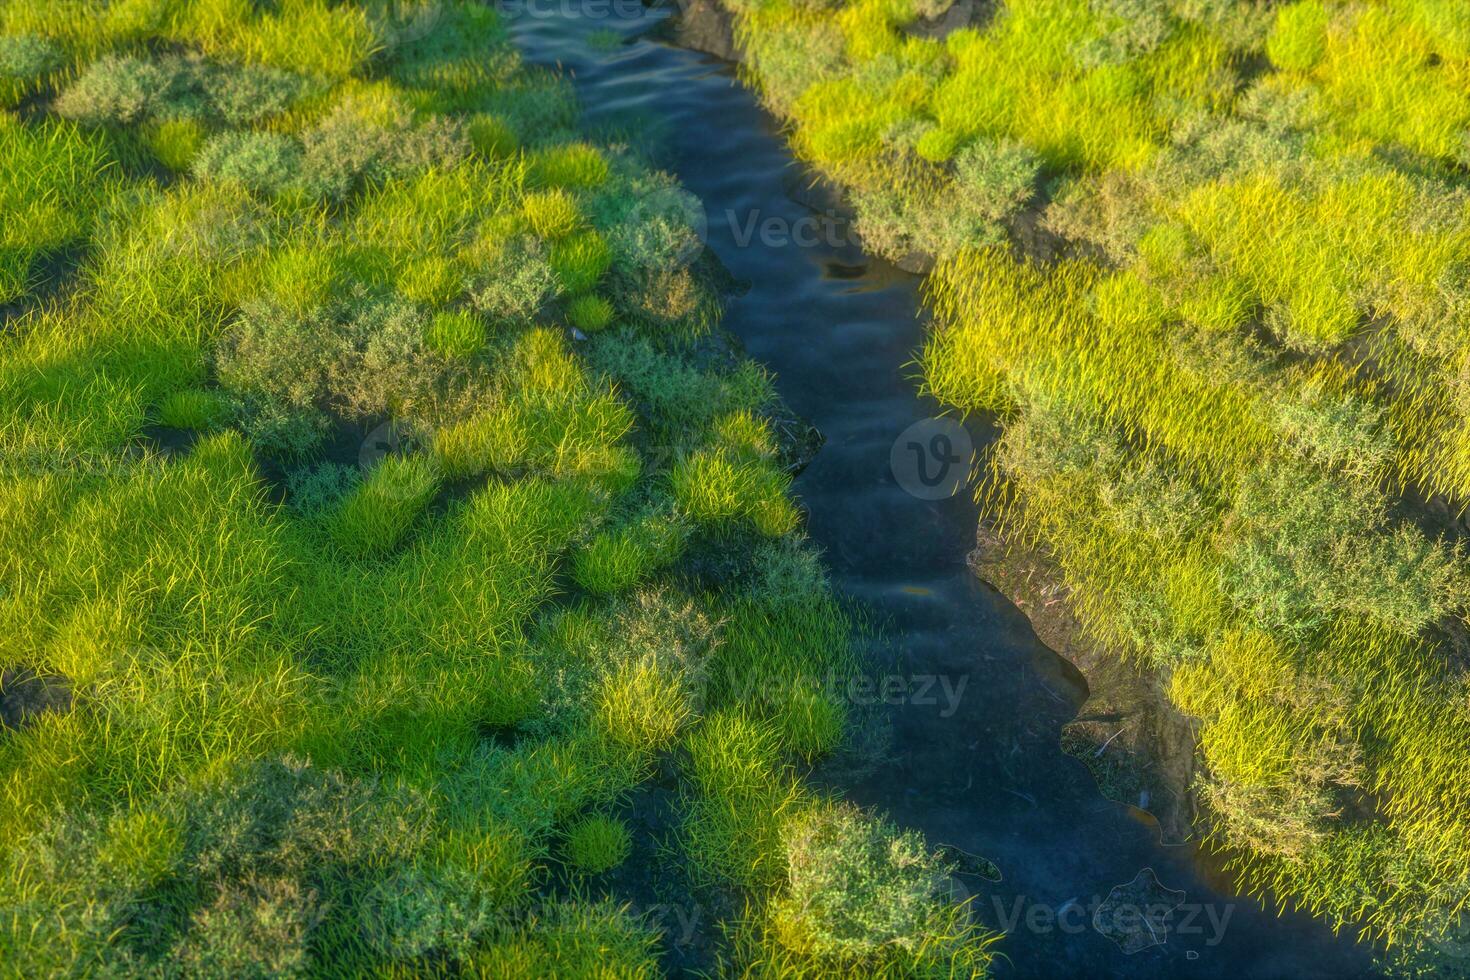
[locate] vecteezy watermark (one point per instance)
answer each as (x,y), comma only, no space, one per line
(390,438)
(677,923)
(824,229)
(403,22)
(931,458)
(942,691)
(1136,915)
(685,216)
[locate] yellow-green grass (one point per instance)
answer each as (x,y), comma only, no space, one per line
(619,558)
(1173,544)
(573,165)
(374,517)
(590,313)
(1086,87)
(55,181)
(716,486)
(578,940)
(1381,73)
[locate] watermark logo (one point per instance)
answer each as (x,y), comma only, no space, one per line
(1137,915)
(942,691)
(825,229)
(404,22)
(931,458)
(389,439)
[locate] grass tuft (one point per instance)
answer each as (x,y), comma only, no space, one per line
(597,843)
(376,515)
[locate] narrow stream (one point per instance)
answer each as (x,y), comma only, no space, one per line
(977,767)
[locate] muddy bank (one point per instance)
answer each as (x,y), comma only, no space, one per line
(703,25)
(1130,737)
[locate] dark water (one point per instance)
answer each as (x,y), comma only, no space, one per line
(981,771)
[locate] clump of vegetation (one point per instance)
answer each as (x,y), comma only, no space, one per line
(742,797)
(243,875)
(267,163)
(378,512)
(348,665)
(456,334)
(569,165)
(194,408)
(551,214)
(360,358)
(597,843)
(720,486)
(862,895)
(25,63)
(590,313)
(127,89)
(573,939)
(620,558)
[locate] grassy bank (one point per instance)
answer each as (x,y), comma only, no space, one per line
(1206,260)
(381,509)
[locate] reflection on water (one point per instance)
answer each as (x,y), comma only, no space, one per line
(983,773)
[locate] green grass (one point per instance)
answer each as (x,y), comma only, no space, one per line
(51,192)
(570,165)
(783,652)
(716,487)
(590,313)
(580,261)
(579,940)
(551,214)
(741,798)
(1298,39)
(597,843)
(355,666)
(620,558)
(456,333)
(1291,538)
(193,408)
(374,517)
(492,136)
(176,143)
(865,896)
(26,62)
